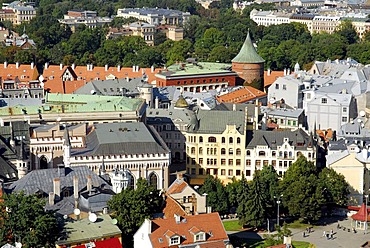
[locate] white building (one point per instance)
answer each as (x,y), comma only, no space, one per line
(267,18)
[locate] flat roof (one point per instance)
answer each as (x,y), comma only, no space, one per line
(195,69)
(84,230)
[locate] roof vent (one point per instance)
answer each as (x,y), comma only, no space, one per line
(184,220)
(160,240)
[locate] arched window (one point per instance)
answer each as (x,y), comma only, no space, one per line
(212,139)
(131,183)
(248,153)
(238,151)
(223,140)
(238,140)
(285,154)
(200,139)
(153,180)
(192,150)
(43,162)
(231,140)
(200,150)
(261,153)
(223,151)
(231,151)
(273,153)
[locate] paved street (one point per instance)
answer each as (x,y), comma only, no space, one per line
(342,239)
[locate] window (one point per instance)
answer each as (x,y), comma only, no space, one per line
(258,162)
(273,153)
(192,150)
(175,240)
(200,150)
(265,162)
(237,172)
(223,172)
(248,153)
(223,140)
(248,162)
(223,151)
(230,172)
(247,173)
(238,140)
(238,162)
(231,152)
(344,110)
(201,161)
(324,100)
(277,86)
(284,86)
(211,139)
(199,237)
(238,151)
(344,119)
(193,171)
(223,161)
(200,139)
(201,171)
(231,140)
(230,162)
(262,153)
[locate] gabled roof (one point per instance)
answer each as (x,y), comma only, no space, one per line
(172,207)
(25,73)
(245,94)
(248,53)
(177,186)
(211,224)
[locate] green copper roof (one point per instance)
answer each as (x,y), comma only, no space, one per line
(74,103)
(248,53)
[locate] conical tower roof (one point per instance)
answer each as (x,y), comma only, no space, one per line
(181,102)
(248,53)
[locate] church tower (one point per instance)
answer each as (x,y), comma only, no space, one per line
(249,65)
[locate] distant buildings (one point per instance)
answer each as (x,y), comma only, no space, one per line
(155,16)
(17,12)
(74,18)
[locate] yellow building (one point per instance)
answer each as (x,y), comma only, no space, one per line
(353,163)
(215,145)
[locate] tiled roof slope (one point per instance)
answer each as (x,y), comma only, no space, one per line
(211,224)
(24,73)
(177,186)
(172,207)
(53,76)
(244,94)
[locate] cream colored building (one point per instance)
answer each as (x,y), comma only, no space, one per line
(327,24)
(215,145)
(21,12)
(353,162)
(144,30)
(175,33)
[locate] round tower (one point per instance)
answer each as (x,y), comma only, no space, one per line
(249,65)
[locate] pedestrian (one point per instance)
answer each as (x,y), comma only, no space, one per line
(331,234)
(327,236)
(324,234)
(338,226)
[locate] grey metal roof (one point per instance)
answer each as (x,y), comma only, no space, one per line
(170,115)
(42,180)
(214,121)
(293,113)
(334,157)
(273,139)
(122,138)
(112,87)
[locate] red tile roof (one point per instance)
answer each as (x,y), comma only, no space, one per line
(270,79)
(53,76)
(108,243)
(24,73)
(177,186)
(173,207)
(209,223)
(361,214)
(244,94)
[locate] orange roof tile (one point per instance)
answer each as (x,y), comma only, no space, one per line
(25,73)
(211,224)
(173,207)
(270,79)
(53,76)
(177,186)
(245,94)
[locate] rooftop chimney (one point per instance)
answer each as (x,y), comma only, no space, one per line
(119,68)
(32,65)
(152,68)
(75,187)
(51,198)
(268,72)
(156,102)
(60,66)
(106,67)
(177,218)
(133,68)
(46,65)
(73,66)
(17,65)
(89,183)
(5,64)
(56,183)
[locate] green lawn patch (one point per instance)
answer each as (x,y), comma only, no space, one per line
(232,225)
(298,224)
(300,244)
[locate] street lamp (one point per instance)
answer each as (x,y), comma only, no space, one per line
(366,196)
(278,201)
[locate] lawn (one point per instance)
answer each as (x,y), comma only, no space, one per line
(297,224)
(254,243)
(232,225)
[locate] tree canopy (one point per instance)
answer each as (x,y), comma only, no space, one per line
(23,219)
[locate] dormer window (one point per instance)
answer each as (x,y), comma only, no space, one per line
(199,237)
(175,240)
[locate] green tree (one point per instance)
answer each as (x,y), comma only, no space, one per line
(269,182)
(242,199)
(23,219)
(301,195)
(334,187)
(255,213)
(347,31)
(216,194)
(232,189)
(132,206)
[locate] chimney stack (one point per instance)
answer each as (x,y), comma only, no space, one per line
(89,183)
(17,65)
(133,68)
(156,105)
(73,66)
(46,65)
(75,187)
(60,66)
(5,64)
(152,68)
(106,67)
(137,68)
(32,65)
(119,68)
(51,198)
(56,183)
(268,72)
